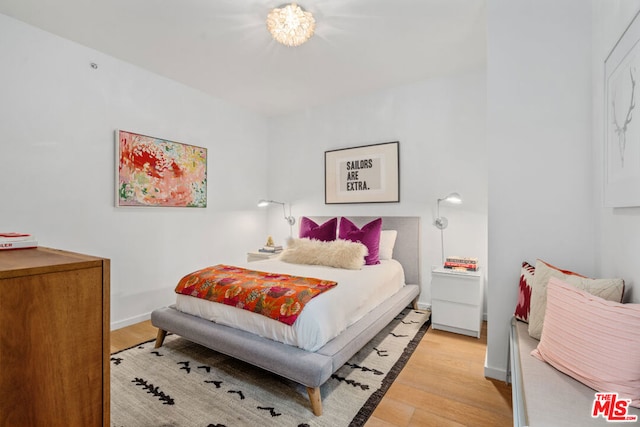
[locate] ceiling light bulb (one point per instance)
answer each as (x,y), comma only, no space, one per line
(290,25)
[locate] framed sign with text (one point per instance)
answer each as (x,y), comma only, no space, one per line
(365,174)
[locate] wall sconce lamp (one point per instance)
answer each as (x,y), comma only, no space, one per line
(291,220)
(442,222)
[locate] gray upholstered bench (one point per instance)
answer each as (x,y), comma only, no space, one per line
(544,396)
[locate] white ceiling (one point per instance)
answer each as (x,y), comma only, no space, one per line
(222,47)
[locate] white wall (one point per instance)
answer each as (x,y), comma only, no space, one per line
(619,229)
(57,121)
(539,138)
(440,125)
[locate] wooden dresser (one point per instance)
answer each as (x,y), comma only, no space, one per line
(54,338)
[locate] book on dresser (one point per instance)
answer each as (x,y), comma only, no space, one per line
(270,249)
(13,240)
(461,263)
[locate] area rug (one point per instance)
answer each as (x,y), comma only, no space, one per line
(187,385)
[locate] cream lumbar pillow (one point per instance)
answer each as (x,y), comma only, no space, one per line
(608,289)
(337,253)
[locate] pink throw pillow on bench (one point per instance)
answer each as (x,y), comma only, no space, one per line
(595,341)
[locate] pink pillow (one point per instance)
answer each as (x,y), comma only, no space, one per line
(524,294)
(368,235)
(325,232)
(594,341)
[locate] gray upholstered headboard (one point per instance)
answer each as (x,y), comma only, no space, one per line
(407,247)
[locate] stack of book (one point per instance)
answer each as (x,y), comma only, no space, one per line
(17,241)
(461,263)
(270,249)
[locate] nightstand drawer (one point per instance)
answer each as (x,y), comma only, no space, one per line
(455,315)
(458,288)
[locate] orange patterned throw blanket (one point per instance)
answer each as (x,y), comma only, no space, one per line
(278,296)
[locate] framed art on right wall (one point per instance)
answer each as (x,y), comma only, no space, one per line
(622,120)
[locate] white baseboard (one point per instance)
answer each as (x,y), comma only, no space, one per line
(130,321)
(424,306)
(495,373)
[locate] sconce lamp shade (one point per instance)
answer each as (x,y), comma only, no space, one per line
(290,219)
(453,198)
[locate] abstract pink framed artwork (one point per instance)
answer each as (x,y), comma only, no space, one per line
(156,172)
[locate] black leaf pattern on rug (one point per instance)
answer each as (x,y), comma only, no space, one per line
(350,382)
(364,368)
(157,353)
(216,425)
(381,353)
(410,322)
(151,389)
(304,425)
(206,368)
(272,411)
(398,335)
(215,383)
(186,366)
(238,392)
(117,360)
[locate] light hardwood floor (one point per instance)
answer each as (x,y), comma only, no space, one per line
(441,385)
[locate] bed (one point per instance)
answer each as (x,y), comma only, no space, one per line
(312,367)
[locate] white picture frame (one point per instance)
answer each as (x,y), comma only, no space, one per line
(622,120)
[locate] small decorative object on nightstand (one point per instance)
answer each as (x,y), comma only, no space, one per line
(268,251)
(456,301)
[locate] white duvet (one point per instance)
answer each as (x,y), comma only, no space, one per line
(324,317)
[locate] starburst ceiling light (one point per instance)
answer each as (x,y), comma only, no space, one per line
(290,25)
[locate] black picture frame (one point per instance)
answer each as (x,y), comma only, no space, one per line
(363,174)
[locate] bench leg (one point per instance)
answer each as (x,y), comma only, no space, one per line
(160,338)
(414,303)
(316,400)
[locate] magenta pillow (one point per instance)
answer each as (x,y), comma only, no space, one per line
(368,235)
(325,232)
(524,294)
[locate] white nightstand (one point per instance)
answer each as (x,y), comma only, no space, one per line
(456,301)
(257,256)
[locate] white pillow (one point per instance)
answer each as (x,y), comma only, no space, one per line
(387,242)
(336,253)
